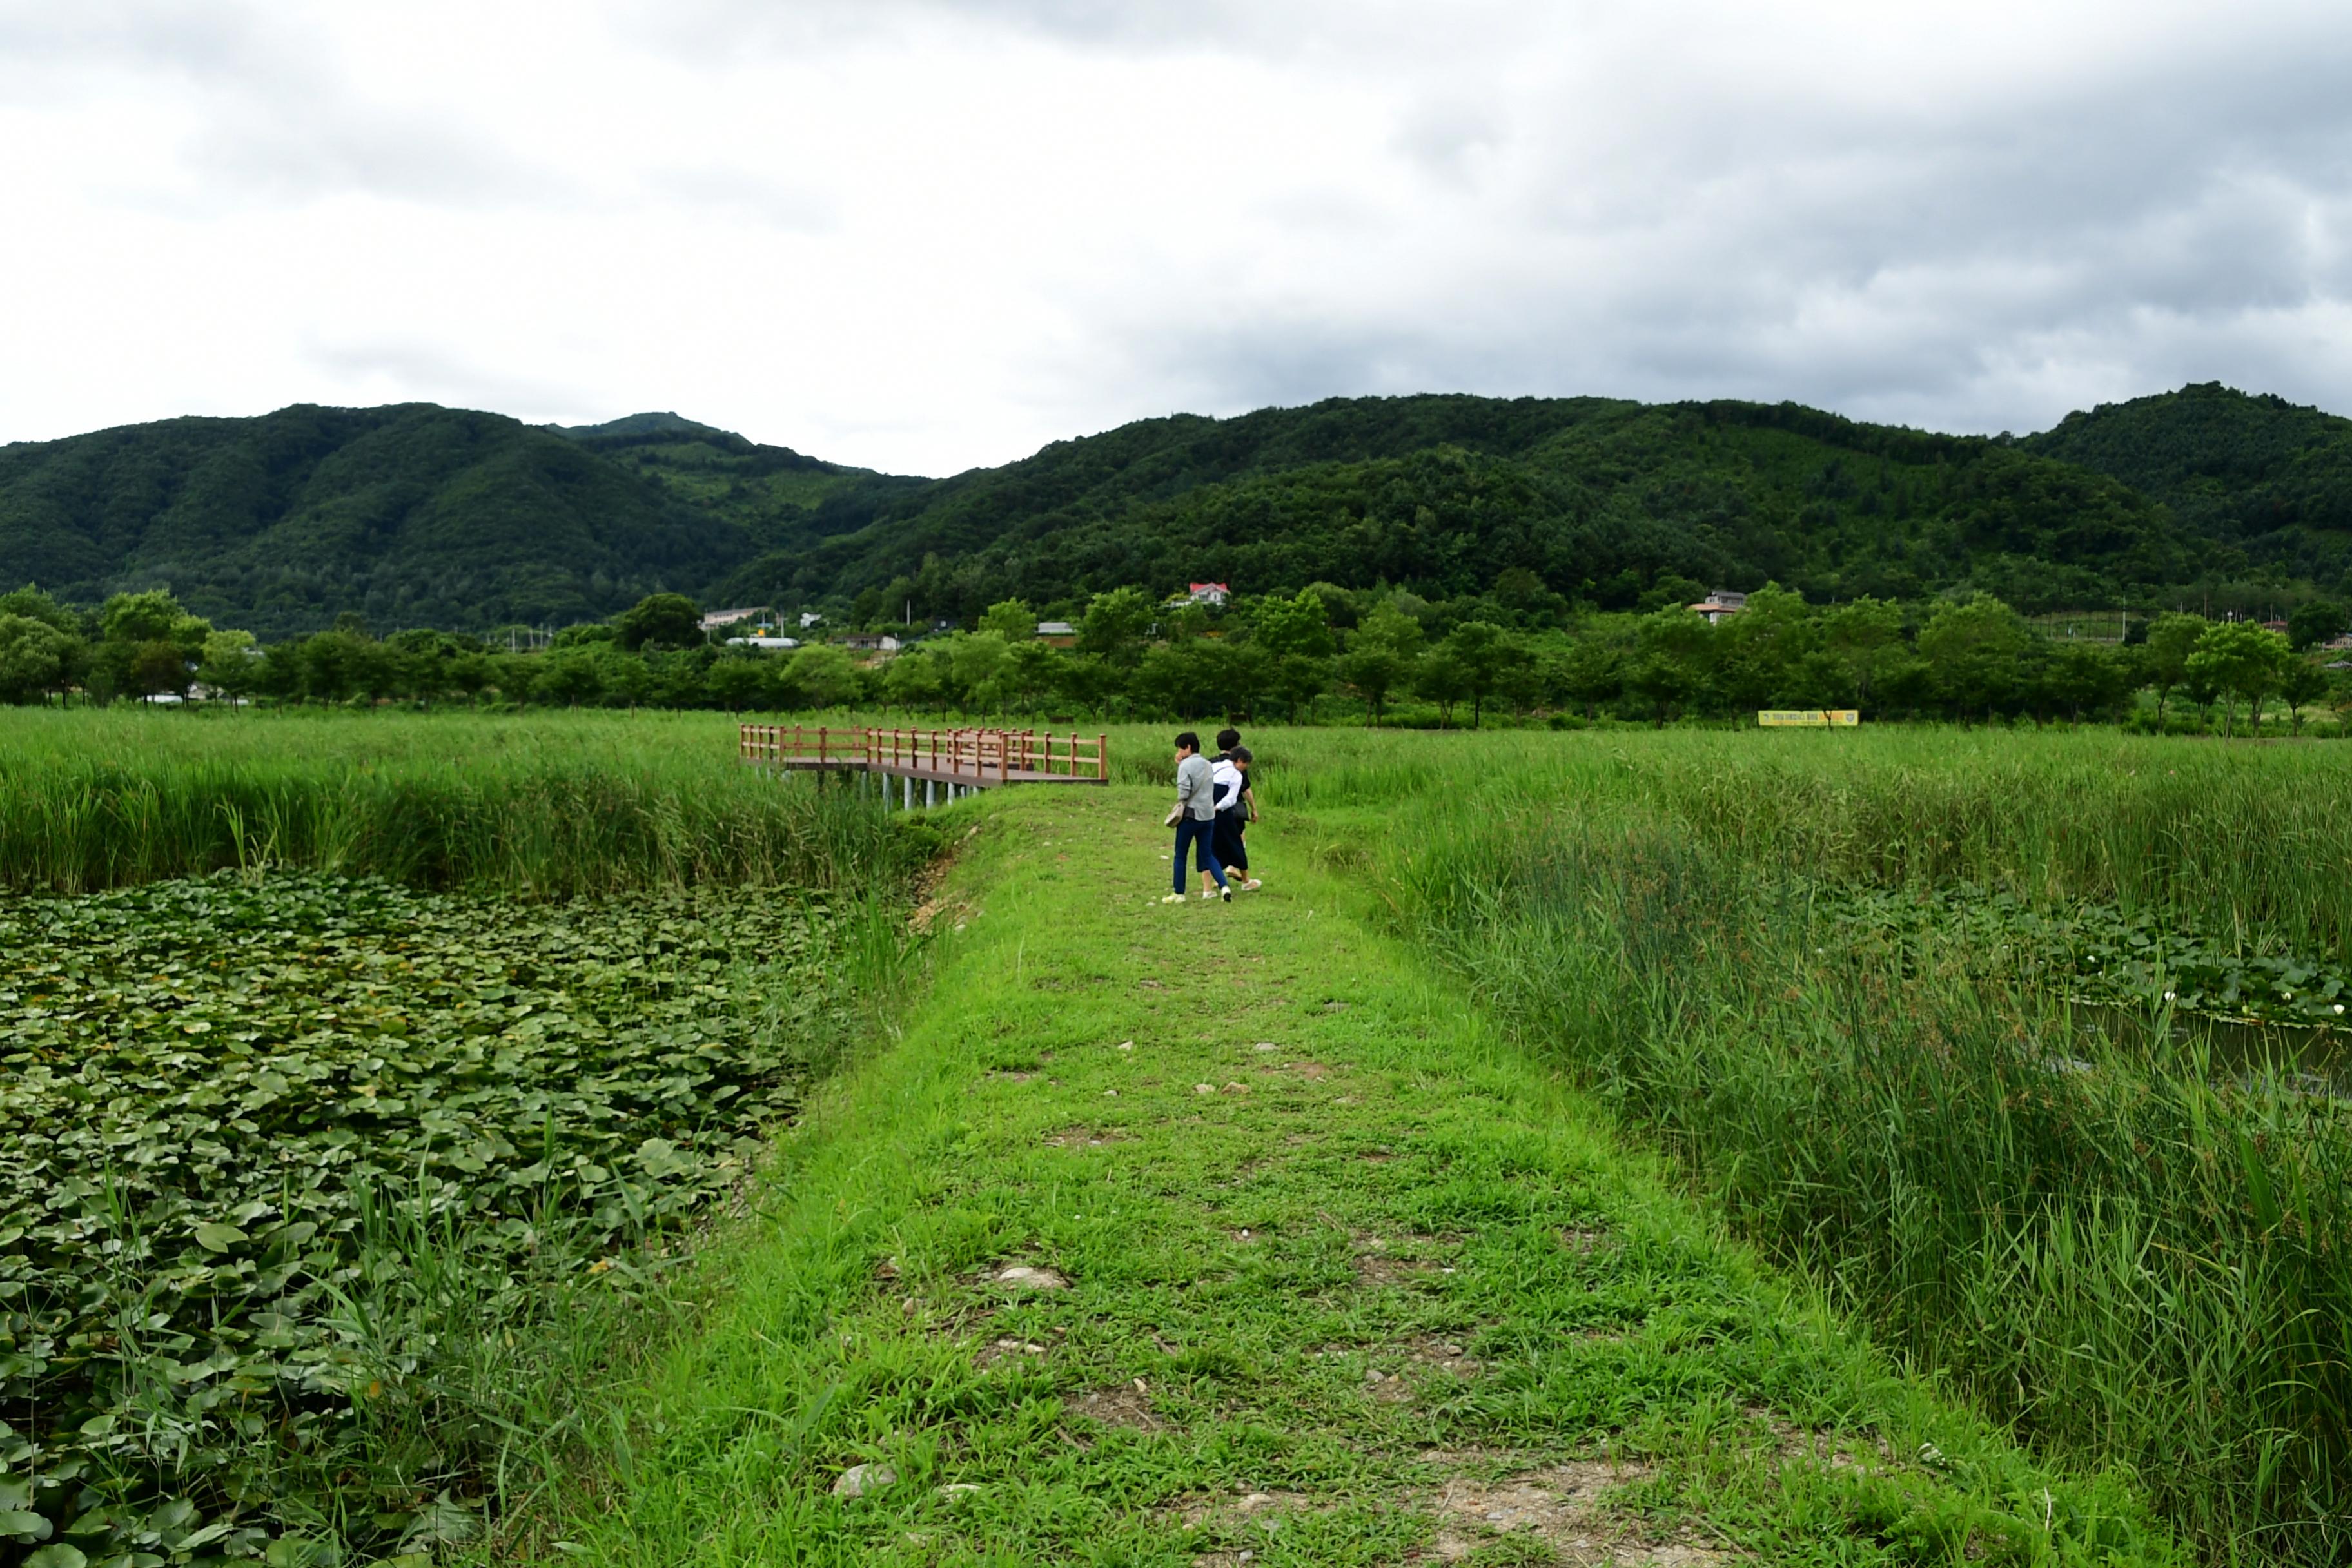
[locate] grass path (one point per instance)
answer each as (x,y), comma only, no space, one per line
(1326,1274)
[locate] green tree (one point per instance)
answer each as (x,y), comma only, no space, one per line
(1588,672)
(824,676)
(916,679)
(572,676)
(34,658)
(659,620)
(1010,619)
(33,605)
(1115,626)
(1379,657)
(2302,684)
(148,644)
(2241,659)
(230,664)
(1864,637)
(738,681)
(2314,622)
(1762,652)
(1974,648)
(1478,648)
(623,679)
(1673,652)
(1442,677)
(1295,635)
(2171,638)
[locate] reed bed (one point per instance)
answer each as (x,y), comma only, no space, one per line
(544,807)
(2131,1251)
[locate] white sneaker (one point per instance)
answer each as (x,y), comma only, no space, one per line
(1250,886)
(1208,892)
(1174,898)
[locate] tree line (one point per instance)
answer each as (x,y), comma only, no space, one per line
(1321,652)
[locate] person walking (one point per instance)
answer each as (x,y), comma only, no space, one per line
(1237,809)
(1195,820)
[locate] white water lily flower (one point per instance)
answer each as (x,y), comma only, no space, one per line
(2339,1006)
(2168,995)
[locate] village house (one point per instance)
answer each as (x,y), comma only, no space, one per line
(714,619)
(1057,633)
(870,642)
(1719,605)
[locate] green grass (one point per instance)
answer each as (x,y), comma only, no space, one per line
(1347,1273)
(1753,949)
(541,806)
(2131,1250)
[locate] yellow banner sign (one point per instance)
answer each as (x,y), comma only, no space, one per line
(1807,718)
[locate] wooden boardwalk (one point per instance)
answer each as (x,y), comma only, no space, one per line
(954,761)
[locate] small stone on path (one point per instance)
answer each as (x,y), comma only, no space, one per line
(859,1479)
(1021,1277)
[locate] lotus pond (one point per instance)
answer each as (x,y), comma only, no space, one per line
(299,1168)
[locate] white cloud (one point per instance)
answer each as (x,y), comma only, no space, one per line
(926,234)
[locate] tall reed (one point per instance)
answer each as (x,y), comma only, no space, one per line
(2132,1255)
(454,803)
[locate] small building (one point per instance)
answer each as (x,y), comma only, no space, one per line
(870,642)
(1057,633)
(759,640)
(1212,594)
(714,619)
(1719,605)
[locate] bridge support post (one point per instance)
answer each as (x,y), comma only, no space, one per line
(910,795)
(927,794)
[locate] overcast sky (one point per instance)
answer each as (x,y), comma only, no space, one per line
(921,234)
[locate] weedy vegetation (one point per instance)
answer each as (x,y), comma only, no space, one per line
(1840,984)
(375,1071)
(552,806)
(327,1198)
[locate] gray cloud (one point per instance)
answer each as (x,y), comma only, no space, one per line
(944,231)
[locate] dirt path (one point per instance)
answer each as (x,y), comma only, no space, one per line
(1228,1234)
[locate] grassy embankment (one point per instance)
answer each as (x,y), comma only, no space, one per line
(1337,1275)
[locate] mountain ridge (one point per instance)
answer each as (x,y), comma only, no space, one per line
(417,514)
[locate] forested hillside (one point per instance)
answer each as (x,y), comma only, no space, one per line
(410,515)
(418,515)
(1598,499)
(2257,473)
(780,496)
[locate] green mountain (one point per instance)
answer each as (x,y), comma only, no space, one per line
(2258,473)
(780,496)
(411,515)
(418,515)
(1598,498)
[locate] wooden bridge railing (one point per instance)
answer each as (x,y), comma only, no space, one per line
(977,755)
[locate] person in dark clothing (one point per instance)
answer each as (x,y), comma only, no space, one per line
(1237,807)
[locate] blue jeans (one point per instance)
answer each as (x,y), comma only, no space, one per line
(1192,830)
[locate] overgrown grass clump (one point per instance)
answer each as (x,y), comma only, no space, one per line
(2134,1250)
(323,1202)
(548,807)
